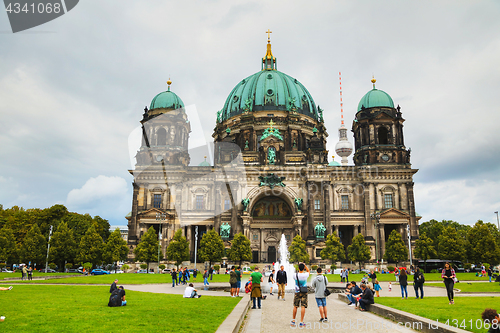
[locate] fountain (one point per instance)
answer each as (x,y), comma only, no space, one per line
(284,261)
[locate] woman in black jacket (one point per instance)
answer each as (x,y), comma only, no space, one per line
(418,283)
(403,283)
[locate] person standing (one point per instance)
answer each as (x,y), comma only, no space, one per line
(238,281)
(377,288)
(448,275)
(347,275)
(490,273)
(403,283)
(211,272)
(30,274)
(174,278)
(418,283)
(300,297)
(205,278)
(256,294)
(366,297)
(24,272)
(195,274)
(232,281)
(319,284)
(281,279)
(372,276)
(271,282)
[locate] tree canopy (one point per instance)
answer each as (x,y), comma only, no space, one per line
(147,249)
(334,249)
(178,249)
(211,247)
(240,248)
(358,250)
(395,248)
(297,249)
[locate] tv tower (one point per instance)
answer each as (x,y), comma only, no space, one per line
(343,148)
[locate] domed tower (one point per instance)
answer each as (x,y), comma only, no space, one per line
(378,131)
(273,119)
(165,129)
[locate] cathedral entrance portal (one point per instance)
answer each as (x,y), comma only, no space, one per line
(271,254)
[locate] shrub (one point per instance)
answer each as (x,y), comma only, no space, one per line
(486,266)
(391,268)
(2,265)
(314,267)
(333,267)
(434,271)
(125,267)
(52,265)
(87,266)
(162,267)
(252,267)
(216,267)
(467,265)
(68,265)
(144,266)
(296,266)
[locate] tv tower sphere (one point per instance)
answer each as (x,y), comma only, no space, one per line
(343,148)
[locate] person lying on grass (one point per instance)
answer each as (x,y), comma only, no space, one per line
(2,288)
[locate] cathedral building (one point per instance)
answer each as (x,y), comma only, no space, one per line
(271,174)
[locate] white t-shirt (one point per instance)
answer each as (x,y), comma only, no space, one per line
(302,280)
(188,292)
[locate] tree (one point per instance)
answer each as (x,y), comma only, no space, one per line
(115,249)
(147,249)
(33,247)
(7,245)
(63,247)
(451,245)
(395,248)
(240,248)
(91,247)
(178,249)
(424,249)
(358,250)
(298,252)
(211,247)
(481,245)
(334,249)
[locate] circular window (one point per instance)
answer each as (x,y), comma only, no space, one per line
(270,76)
(385,157)
(235,99)
(270,92)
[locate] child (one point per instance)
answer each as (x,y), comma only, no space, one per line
(390,286)
(377,287)
(248,287)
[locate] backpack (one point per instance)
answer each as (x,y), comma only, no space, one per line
(114,299)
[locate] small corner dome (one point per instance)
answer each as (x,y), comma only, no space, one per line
(204,164)
(166,100)
(375,98)
(334,163)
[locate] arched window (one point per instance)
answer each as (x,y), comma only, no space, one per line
(161,137)
(383,135)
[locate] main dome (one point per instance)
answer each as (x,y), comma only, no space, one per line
(270,90)
(375,98)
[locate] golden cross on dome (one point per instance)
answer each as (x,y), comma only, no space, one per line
(269,32)
(271,123)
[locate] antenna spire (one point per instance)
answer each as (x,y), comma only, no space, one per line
(341,102)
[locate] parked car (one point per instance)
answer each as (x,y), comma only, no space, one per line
(99,272)
(49,270)
(118,271)
(74,270)
(5,270)
(142,271)
(166,271)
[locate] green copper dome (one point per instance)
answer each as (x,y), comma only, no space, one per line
(375,98)
(269,90)
(166,100)
(334,163)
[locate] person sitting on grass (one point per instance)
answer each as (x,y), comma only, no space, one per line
(10,288)
(491,317)
(366,298)
(117,297)
(190,292)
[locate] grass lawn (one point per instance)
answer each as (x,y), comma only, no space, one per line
(35,274)
(478,287)
(125,278)
(84,308)
(464,314)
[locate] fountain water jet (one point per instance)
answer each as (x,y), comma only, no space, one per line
(284,257)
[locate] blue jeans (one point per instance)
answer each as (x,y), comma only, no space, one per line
(417,287)
(321,302)
(258,302)
(363,304)
(205,282)
(173,282)
(489,277)
(124,303)
(404,290)
(351,298)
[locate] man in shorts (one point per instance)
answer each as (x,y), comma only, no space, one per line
(319,284)
(300,298)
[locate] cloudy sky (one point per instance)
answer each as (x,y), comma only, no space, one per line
(73,90)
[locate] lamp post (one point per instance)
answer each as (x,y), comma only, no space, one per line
(376,217)
(159,217)
(497,220)
(409,242)
(195,244)
(48,247)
